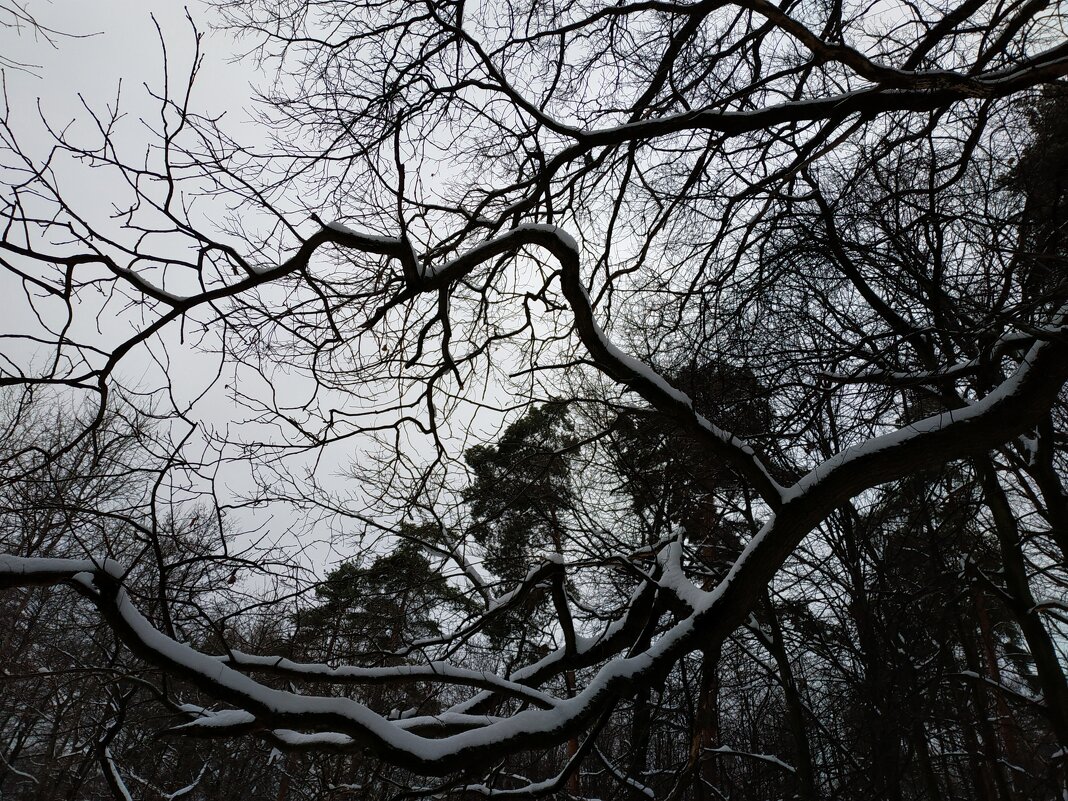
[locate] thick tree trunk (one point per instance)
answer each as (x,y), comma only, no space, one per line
(1051,487)
(923,756)
(1021,603)
(990,656)
(706,732)
(995,783)
(805,789)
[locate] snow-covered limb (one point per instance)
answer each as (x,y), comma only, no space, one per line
(338,721)
(462,735)
(188,788)
(347,674)
(616,637)
(18,571)
(654,388)
(1012,408)
(470,572)
(920,91)
(541,572)
(532,790)
(1007,343)
(622,777)
(1035,701)
(623,367)
(673,575)
(773,760)
(548,570)
(15,771)
(341,722)
(229,720)
(113,776)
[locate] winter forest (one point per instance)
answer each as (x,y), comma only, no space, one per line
(566,399)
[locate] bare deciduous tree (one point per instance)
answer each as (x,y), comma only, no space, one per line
(464,211)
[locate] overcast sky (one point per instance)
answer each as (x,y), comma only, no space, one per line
(111,40)
(97,47)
